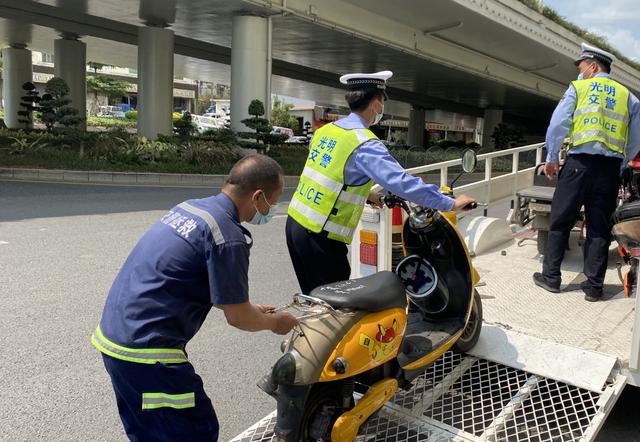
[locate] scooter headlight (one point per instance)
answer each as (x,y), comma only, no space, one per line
(284,371)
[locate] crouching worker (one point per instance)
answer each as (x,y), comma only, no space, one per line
(195,257)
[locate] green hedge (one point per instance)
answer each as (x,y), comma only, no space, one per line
(110,122)
(116,150)
(211,153)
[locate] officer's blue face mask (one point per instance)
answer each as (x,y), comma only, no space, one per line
(259,218)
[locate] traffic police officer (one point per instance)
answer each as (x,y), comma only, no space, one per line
(195,257)
(345,159)
(602,119)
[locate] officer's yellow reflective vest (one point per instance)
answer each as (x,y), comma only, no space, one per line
(602,114)
(322,201)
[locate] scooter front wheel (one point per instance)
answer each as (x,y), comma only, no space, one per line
(471,332)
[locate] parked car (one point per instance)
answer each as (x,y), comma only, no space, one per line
(297,140)
(282,130)
(110,112)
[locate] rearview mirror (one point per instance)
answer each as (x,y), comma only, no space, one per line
(469,160)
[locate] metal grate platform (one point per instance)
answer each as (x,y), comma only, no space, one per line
(463,398)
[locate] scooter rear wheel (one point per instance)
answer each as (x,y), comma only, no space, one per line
(322,409)
(471,332)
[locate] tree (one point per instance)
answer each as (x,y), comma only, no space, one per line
(55,105)
(261,125)
(30,101)
(95,66)
(184,127)
(256,108)
(505,136)
(109,87)
(280,115)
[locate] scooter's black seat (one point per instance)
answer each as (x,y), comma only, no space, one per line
(374,293)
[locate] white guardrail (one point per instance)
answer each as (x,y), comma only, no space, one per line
(495,187)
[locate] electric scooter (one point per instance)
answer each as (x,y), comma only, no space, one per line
(376,334)
(626,227)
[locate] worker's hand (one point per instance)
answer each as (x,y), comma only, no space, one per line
(285,321)
(461,202)
(265,308)
(551,170)
(375,198)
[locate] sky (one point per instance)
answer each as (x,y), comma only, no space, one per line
(616,20)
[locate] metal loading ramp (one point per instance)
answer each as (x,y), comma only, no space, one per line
(464,398)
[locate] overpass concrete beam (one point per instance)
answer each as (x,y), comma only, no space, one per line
(415,137)
(250,67)
(492,118)
(70,64)
(16,70)
(377,28)
(155,81)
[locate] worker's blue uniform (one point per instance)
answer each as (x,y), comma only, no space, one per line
(195,257)
(318,260)
(590,176)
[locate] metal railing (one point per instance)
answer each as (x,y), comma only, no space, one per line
(483,189)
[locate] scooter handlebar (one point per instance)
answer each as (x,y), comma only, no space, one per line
(471,206)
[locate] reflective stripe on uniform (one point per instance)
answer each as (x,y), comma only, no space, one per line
(307,211)
(321,179)
(337,229)
(362,135)
(352,198)
(598,133)
(152,401)
(210,220)
(319,218)
(601,110)
(139,355)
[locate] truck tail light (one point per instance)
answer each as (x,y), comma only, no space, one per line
(368,252)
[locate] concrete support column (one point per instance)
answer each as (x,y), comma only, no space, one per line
(250,67)
(16,71)
(492,117)
(70,64)
(155,81)
(415,137)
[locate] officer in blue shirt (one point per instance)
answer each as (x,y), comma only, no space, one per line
(589,177)
(195,257)
(319,260)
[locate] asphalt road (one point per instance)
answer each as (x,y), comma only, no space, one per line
(61,245)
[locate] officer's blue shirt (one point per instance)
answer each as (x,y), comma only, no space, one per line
(196,256)
(562,119)
(373,161)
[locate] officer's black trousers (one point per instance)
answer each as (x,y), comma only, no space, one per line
(317,260)
(592,181)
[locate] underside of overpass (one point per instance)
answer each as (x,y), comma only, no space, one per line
(463,56)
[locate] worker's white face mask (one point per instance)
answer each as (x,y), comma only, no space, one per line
(379,116)
(259,218)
